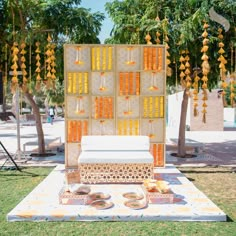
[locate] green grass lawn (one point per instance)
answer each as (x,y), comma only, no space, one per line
(219,184)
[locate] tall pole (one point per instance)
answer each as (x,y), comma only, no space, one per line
(18,152)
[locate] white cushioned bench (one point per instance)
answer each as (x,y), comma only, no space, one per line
(115,159)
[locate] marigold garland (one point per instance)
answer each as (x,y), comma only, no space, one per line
(101,58)
(145,56)
(85,127)
(38,65)
(145,107)
(93,58)
(222,64)
(188,80)
(232,76)
(160,154)
(195,94)
(53,65)
(70,83)
(154,59)
(137,80)
(80,83)
(205,70)
(150,107)
(85,82)
(48,62)
(154,153)
(119,127)
(110,107)
(98,58)
(104,60)
(156,107)
(110,49)
(159,67)
(136,127)
(127,83)
(125,127)
(182,68)
(232,89)
(148,38)
(150,64)
(131,83)
(23,65)
(74,83)
(75,130)
(121,83)
(128,127)
(161,106)
(14,66)
(158,41)
(96,104)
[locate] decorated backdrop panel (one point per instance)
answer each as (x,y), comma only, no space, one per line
(114,90)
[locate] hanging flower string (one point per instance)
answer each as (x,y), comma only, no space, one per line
(38,64)
(14,66)
(195,94)
(222,61)
(188,80)
(232,77)
(205,70)
(182,68)
(53,65)
(48,62)
(232,89)
(23,66)
(148,38)
(158,41)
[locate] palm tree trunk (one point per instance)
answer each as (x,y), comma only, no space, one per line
(39,128)
(182,125)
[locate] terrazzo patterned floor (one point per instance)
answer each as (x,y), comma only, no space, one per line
(189,204)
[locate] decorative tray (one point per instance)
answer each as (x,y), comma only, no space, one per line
(135,204)
(133,196)
(101,204)
(156,197)
(68,198)
(99,196)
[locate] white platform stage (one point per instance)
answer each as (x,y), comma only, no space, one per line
(190,204)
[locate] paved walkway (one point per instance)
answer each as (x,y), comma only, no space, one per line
(8,137)
(219,148)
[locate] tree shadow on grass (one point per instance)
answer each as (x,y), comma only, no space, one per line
(187,155)
(23,173)
(229,219)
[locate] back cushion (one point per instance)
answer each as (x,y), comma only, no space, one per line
(116,143)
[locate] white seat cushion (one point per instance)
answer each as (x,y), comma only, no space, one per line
(115,157)
(111,143)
